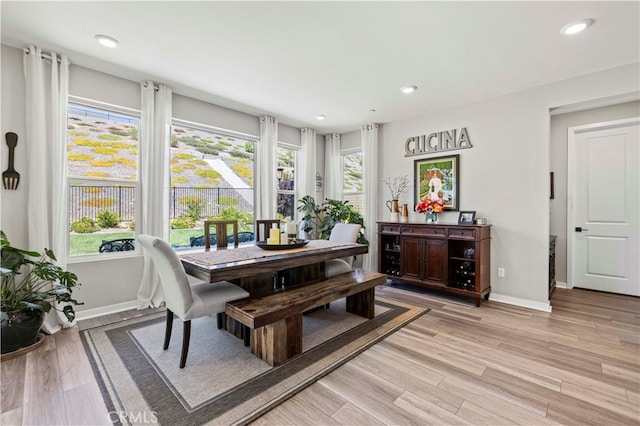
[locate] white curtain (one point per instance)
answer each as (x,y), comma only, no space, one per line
(332,167)
(46,178)
(155,139)
(266,151)
(369,137)
(306,180)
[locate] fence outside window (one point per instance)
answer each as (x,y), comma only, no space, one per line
(88,200)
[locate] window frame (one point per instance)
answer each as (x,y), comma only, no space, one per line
(192,125)
(343,154)
(295,190)
(104,106)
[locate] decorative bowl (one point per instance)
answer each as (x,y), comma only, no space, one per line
(300,243)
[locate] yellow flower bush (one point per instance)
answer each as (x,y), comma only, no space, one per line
(100,163)
(79,157)
(104,150)
(208,173)
(97,174)
(86,142)
(125,161)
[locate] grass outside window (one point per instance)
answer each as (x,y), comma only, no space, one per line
(81,244)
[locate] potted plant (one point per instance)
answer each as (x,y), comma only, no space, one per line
(311,219)
(321,219)
(31,286)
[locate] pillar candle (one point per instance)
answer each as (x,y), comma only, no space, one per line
(290,227)
(274,234)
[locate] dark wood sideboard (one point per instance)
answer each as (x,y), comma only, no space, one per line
(447,257)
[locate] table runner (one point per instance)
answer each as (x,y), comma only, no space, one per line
(219,257)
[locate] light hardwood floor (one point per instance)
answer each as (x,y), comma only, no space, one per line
(458,364)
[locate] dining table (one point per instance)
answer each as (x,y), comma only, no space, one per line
(263,270)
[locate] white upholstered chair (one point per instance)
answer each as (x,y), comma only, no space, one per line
(342,233)
(186,301)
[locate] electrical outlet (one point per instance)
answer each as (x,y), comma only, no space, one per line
(501,272)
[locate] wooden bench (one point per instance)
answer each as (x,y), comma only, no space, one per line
(275,320)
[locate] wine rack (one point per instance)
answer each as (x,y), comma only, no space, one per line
(391,253)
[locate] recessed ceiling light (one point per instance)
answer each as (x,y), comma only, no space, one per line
(107,41)
(320,117)
(576,27)
(408,89)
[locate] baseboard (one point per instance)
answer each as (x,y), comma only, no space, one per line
(105,310)
(560,284)
(538,306)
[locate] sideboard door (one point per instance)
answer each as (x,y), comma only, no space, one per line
(410,258)
(435,260)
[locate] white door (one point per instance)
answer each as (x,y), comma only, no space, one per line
(604,207)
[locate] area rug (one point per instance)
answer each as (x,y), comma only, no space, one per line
(222,382)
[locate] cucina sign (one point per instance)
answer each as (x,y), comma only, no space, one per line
(437,142)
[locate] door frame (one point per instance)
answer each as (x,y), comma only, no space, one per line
(572,133)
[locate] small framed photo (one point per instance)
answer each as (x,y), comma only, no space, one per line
(467,217)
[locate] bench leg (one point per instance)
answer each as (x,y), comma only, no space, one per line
(362,303)
(275,343)
(246,335)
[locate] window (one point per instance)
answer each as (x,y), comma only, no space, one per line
(352,179)
(211,178)
(285,173)
(102,169)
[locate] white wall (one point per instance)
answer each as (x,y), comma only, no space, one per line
(95,85)
(289,135)
(185,108)
(350,140)
(505,176)
(558,159)
(12,110)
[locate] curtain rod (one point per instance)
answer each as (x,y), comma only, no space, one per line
(155,86)
(42,55)
(48,57)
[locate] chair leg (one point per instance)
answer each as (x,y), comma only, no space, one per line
(220,319)
(186,335)
(167,332)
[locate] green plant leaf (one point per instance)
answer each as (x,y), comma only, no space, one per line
(38,285)
(40,306)
(50,254)
(69,313)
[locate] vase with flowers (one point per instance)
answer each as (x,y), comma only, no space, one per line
(430,207)
(396,187)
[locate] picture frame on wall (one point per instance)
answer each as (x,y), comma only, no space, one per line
(437,178)
(467,217)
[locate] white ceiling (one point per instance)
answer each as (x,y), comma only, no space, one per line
(295,60)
